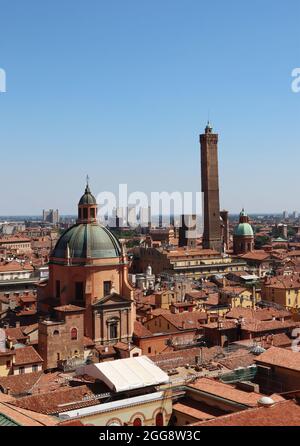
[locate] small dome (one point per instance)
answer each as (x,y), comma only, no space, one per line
(89,240)
(266,401)
(257,350)
(243,229)
(87,197)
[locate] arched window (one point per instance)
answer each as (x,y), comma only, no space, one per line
(74,334)
(159,419)
(137,422)
(55,333)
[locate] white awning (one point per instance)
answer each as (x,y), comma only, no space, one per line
(127,374)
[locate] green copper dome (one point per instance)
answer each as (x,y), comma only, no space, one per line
(87,197)
(243,229)
(89,240)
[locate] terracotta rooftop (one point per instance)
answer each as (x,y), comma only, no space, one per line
(29,328)
(27,355)
(258,255)
(15,266)
(180,358)
(19,384)
(185,321)
(260,314)
(284,282)
(226,391)
(280,357)
(197,252)
(25,417)
(14,240)
(223,324)
(57,400)
(284,413)
(196,409)
(68,308)
(140,331)
(240,358)
(267,326)
(15,333)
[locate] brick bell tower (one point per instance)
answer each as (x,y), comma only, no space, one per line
(210,190)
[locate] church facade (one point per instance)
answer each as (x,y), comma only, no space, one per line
(88,269)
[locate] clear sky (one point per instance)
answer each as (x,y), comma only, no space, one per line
(121,90)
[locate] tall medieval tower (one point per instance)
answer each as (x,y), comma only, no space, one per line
(210,190)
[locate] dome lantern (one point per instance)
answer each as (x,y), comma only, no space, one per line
(87,206)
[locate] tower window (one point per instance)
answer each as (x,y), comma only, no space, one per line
(79,295)
(57,286)
(92,212)
(85,213)
(106,287)
(113,331)
(74,334)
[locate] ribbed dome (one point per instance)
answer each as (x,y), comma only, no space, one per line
(89,240)
(87,197)
(243,229)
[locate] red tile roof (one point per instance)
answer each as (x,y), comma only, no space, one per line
(27,355)
(15,334)
(185,321)
(19,384)
(57,401)
(226,391)
(280,357)
(69,308)
(263,314)
(284,413)
(140,331)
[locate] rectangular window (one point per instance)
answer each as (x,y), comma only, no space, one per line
(8,364)
(21,370)
(57,285)
(113,331)
(106,287)
(79,294)
(34,368)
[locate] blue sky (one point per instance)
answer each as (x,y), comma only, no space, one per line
(121,90)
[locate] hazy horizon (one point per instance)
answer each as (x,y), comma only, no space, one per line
(121,91)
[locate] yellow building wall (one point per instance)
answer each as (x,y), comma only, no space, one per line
(4,371)
(146,412)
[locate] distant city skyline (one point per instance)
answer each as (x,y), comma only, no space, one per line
(122,91)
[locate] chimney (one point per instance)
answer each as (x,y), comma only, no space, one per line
(18,324)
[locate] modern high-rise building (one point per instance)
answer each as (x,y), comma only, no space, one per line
(51,216)
(210,190)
